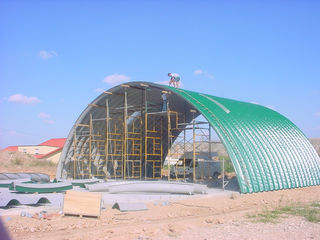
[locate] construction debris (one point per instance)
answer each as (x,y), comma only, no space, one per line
(42,215)
(130,206)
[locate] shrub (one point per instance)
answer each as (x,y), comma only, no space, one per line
(16,161)
(310,211)
(42,163)
(228,167)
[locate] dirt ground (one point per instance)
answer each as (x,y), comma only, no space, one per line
(203,217)
(200,217)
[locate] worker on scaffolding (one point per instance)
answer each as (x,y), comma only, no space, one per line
(174,80)
(164,97)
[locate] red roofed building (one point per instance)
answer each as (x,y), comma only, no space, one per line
(49,150)
(54,142)
(11,149)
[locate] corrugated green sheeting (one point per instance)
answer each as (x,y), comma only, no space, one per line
(267,150)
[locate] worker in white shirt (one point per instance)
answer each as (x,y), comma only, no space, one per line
(174,80)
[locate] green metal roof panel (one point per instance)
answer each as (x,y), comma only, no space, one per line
(267,150)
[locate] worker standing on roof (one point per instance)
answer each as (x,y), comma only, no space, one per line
(174,80)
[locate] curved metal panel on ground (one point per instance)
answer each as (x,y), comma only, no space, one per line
(8,198)
(267,150)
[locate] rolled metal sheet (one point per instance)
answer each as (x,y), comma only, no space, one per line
(35,177)
(101,187)
(83,182)
(42,188)
(23,175)
(3,176)
(9,175)
(152,187)
(7,183)
(200,188)
(44,177)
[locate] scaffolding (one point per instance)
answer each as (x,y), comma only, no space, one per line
(115,147)
(89,151)
(134,150)
(132,143)
(81,152)
(193,141)
(153,145)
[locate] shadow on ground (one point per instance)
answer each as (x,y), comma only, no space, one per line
(232,184)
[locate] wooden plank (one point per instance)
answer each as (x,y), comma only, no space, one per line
(79,216)
(96,105)
(82,125)
(82,203)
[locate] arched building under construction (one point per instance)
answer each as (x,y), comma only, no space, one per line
(132,130)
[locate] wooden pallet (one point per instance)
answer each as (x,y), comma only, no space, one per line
(82,204)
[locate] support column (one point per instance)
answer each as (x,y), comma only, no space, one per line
(169,142)
(184,152)
(90,145)
(209,140)
(194,145)
(223,185)
(125,131)
(145,131)
(106,146)
(74,152)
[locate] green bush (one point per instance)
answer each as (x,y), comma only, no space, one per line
(228,167)
(165,167)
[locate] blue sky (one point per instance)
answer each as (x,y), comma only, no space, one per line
(55,57)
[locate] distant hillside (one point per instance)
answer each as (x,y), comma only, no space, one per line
(23,162)
(220,149)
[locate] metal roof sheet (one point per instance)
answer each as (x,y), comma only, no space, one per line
(267,150)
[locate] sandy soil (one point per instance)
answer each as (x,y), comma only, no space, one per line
(203,217)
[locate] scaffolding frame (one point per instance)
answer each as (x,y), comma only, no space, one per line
(177,152)
(153,145)
(134,149)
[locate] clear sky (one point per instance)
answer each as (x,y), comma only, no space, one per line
(57,56)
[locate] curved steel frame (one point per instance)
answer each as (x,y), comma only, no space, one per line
(267,150)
